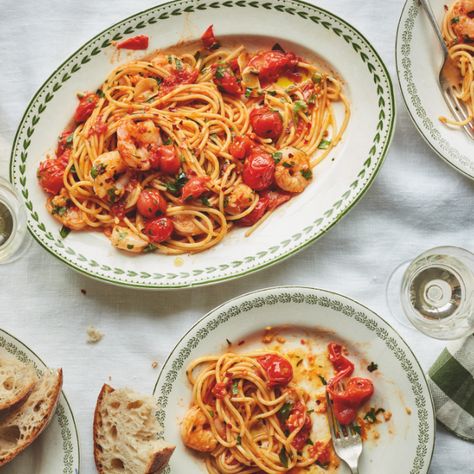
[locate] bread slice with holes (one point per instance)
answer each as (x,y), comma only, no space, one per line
(20,427)
(17,381)
(126,434)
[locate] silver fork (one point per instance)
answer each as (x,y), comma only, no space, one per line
(450,77)
(346,441)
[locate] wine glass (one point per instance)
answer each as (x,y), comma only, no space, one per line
(435,293)
(14,238)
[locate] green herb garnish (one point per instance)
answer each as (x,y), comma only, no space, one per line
(284,457)
(239,440)
(277,157)
(168,141)
(111,193)
(211,413)
(307,174)
(455,20)
(324,144)
(197,55)
(284,412)
(64,232)
(59,210)
(176,186)
(323,380)
(205,201)
(357,428)
(248,92)
(372,367)
(220,70)
(235,387)
(317,78)
(312,99)
(310,442)
(69,139)
(100,93)
(299,105)
(288,165)
(371,416)
(179,64)
(149,248)
(130,246)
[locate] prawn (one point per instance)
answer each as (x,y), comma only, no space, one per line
(293,172)
(123,238)
(136,143)
(107,176)
(196,431)
(185,224)
(464,13)
(240,199)
(62,209)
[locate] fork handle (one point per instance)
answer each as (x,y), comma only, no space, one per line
(429,11)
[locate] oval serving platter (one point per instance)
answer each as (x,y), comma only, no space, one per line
(340,180)
(404,446)
(419,59)
(57,448)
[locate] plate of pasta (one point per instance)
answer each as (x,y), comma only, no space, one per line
(419,58)
(191,144)
(245,390)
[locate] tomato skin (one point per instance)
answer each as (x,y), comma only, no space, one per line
(299,442)
(176,78)
(194,187)
(272,64)
(338,361)
(257,213)
(165,158)
(151,203)
(266,123)
(51,171)
(118,210)
(240,147)
(63,144)
(279,370)
(159,230)
(208,38)
(219,390)
(259,170)
(321,452)
(86,106)
(135,43)
(225,79)
(275,198)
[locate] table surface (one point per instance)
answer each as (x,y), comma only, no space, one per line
(416,202)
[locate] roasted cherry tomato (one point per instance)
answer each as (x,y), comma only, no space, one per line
(166,159)
(135,43)
(266,123)
(194,187)
(275,198)
(151,203)
(278,369)
(338,361)
(257,213)
(51,171)
(219,390)
(225,79)
(240,147)
(208,39)
(87,103)
(64,141)
(159,230)
(271,64)
(176,78)
(259,169)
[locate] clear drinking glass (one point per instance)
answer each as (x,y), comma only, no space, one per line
(14,237)
(435,293)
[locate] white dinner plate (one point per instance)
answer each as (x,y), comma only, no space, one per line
(419,59)
(340,180)
(405,445)
(57,449)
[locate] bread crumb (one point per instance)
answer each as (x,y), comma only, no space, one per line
(281,339)
(154,364)
(84,292)
(408,410)
(376,435)
(387,415)
(178,262)
(93,335)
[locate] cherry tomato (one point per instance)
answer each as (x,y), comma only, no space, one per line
(86,106)
(151,203)
(135,43)
(194,187)
(226,80)
(219,390)
(183,76)
(279,371)
(272,64)
(299,442)
(266,123)
(208,39)
(257,213)
(64,141)
(338,361)
(240,147)
(51,171)
(159,230)
(166,159)
(259,169)
(275,198)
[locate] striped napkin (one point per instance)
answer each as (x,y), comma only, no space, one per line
(452,385)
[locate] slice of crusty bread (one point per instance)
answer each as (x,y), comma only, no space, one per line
(17,381)
(20,427)
(125,434)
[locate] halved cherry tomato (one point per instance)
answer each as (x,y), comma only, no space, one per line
(208,39)
(256,214)
(135,43)
(51,171)
(166,159)
(64,141)
(259,170)
(225,79)
(266,123)
(151,203)
(86,106)
(241,146)
(195,187)
(278,369)
(159,230)
(275,198)
(272,64)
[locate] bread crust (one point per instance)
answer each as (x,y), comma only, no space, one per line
(40,427)
(159,460)
(106,389)
(14,403)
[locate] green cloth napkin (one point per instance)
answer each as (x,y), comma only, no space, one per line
(452,385)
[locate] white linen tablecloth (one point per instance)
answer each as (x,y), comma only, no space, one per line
(416,202)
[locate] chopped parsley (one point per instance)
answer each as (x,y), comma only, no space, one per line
(284,412)
(98,170)
(283,457)
(64,232)
(299,105)
(323,380)
(277,47)
(316,77)
(100,93)
(176,186)
(59,210)
(215,46)
(158,80)
(205,201)
(272,93)
(309,442)
(371,416)
(312,98)
(130,246)
(372,367)
(356,428)
(288,165)
(211,413)
(455,20)
(170,59)
(307,174)
(69,139)
(111,193)
(248,92)
(235,387)
(220,70)
(324,144)
(320,464)
(239,440)
(179,64)
(168,141)
(149,248)
(277,157)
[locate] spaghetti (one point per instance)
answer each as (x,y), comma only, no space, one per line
(174,150)
(458,32)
